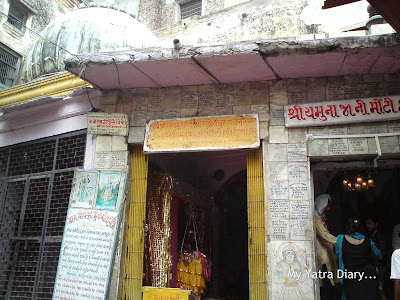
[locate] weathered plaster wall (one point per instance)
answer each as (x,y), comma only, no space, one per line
(263,20)
(288,189)
(21,42)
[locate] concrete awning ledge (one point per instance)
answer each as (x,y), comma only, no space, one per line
(246,61)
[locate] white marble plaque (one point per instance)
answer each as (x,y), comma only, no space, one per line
(299,210)
(376,128)
(358,146)
(278,170)
(389,144)
(297,97)
(318,130)
(337,130)
(297,152)
(318,148)
(102,160)
(277,152)
(139,118)
(334,92)
(300,230)
(394,126)
(298,171)
(338,147)
(119,159)
(262,111)
(277,117)
(280,229)
(298,190)
(279,209)
(111,160)
(279,189)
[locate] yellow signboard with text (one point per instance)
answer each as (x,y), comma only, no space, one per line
(202,134)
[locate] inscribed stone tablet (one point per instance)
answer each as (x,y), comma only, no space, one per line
(318,130)
(296,85)
(392,88)
(318,148)
(373,89)
(279,98)
(279,189)
(394,126)
(296,152)
(297,97)
(119,159)
(241,94)
(316,90)
(279,209)
(102,160)
(298,171)
(299,210)
(224,100)
(156,99)
(155,115)
(298,190)
(278,170)
(190,100)
(337,130)
(139,118)
(172,114)
(334,92)
(280,229)
(140,99)
(300,230)
(389,144)
(260,96)
(338,147)
(354,91)
(207,99)
(358,146)
(377,128)
(277,152)
(173,98)
(277,116)
(262,111)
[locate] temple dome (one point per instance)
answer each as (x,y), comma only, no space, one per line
(85,30)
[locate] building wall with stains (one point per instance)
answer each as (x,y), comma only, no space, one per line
(38,15)
(288,182)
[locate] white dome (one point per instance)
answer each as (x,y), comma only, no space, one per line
(86,30)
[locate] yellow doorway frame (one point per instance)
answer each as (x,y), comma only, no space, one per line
(133,267)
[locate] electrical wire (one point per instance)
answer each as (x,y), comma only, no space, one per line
(38,35)
(119,82)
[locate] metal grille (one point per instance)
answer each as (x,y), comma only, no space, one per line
(191,8)
(16,17)
(35,183)
(9,66)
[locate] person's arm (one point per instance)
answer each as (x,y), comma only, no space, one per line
(395,236)
(375,251)
(323,232)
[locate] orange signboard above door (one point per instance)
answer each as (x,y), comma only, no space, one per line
(202,134)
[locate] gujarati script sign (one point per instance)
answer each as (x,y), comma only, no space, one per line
(343,111)
(208,133)
(87,247)
(108,124)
